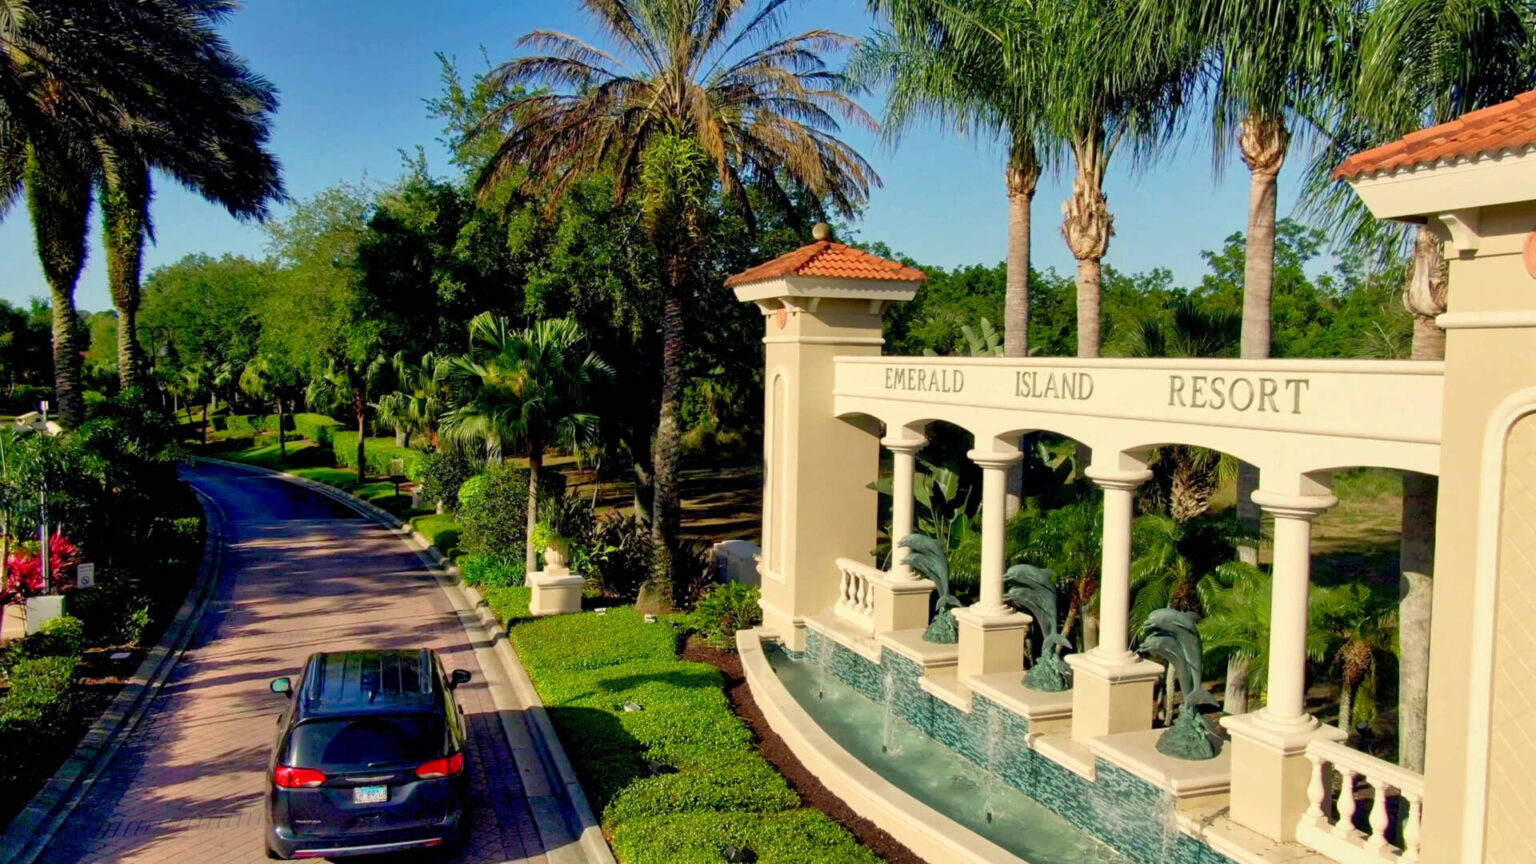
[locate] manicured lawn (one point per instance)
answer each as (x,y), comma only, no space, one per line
(440,530)
(678,780)
(268,455)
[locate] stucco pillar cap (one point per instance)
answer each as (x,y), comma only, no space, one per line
(1117,478)
(904,445)
(994,458)
(1293,506)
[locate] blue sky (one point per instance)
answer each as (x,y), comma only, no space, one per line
(353,74)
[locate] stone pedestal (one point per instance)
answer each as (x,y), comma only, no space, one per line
(901,604)
(555,592)
(991,641)
(1270,771)
(1111,694)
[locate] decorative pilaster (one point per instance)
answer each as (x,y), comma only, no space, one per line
(991,632)
(1111,684)
(1270,771)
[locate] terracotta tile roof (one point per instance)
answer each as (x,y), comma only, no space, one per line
(829,259)
(1507,126)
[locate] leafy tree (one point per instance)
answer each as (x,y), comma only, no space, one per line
(531,389)
(202,308)
(266,379)
(1362,625)
(1236,597)
(417,402)
(713,99)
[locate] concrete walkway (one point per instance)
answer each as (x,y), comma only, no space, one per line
(301,573)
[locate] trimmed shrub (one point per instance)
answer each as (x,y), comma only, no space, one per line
(441,476)
(795,837)
(493,507)
(240,425)
(35,717)
(317,428)
(725,609)
(616,554)
(502,571)
(62,637)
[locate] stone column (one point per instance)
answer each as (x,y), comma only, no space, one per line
(991,632)
(902,601)
(903,467)
(1270,771)
(1111,684)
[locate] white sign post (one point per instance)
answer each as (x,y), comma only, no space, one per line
(85,575)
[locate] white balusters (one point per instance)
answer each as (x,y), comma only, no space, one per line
(1336,836)
(856,596)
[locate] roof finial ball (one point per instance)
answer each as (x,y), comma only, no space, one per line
(821,232)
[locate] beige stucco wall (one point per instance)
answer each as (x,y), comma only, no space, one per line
(1512,718)
(1484,367)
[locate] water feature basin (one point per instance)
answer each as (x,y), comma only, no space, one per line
(934,774)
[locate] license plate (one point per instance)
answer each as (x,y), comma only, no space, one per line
(370,794)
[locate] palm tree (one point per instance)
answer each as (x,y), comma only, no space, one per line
(1236,598)
(1185,476)
(417,401)
(89,93)
(938,67)
(348,383)
(1362,626)
(697,96)
(529,389)
(266,378)
(1419,63)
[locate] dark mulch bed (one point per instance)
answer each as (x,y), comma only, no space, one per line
(778,753)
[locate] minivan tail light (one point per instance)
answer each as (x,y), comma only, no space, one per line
(441,767)
(296,778)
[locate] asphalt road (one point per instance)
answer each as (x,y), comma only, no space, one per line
(301,573)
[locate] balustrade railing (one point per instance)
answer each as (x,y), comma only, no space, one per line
(856,593)
(1361,808)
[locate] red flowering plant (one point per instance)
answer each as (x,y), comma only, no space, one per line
(24,571)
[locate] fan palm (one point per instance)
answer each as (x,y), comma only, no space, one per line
(1236,598)
(526,388)
(697,96)
(89,93)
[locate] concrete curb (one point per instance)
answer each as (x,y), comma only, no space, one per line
(554,794)
(34,827)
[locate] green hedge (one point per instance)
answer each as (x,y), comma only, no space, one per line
(63,636)
(377,452)
(35,716)
(679,779)
(242,425)
(317,428)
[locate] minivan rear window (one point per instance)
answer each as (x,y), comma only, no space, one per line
(366,742)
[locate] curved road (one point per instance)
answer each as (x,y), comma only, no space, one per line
(301,573)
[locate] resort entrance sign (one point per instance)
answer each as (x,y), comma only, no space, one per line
(1390,402)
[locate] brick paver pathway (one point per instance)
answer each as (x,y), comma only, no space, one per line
(300,574)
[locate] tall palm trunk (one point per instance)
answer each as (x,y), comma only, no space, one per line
(1425,297)
(59,197)
(535,468)
(282,441)
(361,407)
(665,516)
(1088,226)
(1263,143)
(125,217)
(1022,176)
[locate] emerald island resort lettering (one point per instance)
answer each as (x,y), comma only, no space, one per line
(926,380)
(1216,392)
(1053,385)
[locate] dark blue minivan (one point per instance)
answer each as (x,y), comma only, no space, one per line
(369,757)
